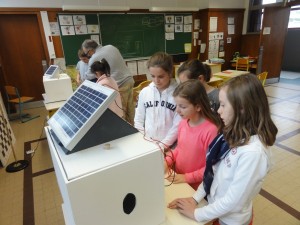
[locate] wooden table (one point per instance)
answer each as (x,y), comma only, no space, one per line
(215,81)
(228,74)
(173,217)
(52,107)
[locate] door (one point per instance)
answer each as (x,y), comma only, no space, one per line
(21,54)
(275,18)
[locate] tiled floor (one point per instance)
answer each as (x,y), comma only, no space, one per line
(32,197)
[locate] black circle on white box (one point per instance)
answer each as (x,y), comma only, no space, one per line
(129,203)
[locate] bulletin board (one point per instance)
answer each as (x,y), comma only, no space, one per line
(72,37)
(182,32)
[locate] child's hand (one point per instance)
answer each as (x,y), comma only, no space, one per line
(173,204)
(177,203)
(186,206)
(179,178)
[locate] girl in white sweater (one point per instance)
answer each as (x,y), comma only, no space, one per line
(238,159)
(155,113)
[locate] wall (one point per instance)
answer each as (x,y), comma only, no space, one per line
(133,4)
(222,15)
(292,51)
(227,4)
(250,45)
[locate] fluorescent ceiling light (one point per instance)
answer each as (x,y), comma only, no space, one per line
(173,9)
(94,8)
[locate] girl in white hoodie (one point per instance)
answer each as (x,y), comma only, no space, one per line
(155,113)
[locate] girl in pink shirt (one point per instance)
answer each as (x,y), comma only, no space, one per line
(102,71)
(197,129)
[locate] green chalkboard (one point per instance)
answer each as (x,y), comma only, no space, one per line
(71,43)
(135,35)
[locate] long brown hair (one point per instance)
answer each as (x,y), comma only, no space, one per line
(251,112)
(193,91)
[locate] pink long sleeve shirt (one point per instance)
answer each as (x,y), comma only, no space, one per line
(190,152)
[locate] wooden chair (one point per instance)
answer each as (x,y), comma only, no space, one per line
(13,97)
(137,90)
(242,64)
(262,77)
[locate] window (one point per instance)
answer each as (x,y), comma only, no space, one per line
(294,21)
(256,11)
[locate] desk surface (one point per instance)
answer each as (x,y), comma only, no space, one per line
(230,73)
(52,105)
(172,192)
(214,79)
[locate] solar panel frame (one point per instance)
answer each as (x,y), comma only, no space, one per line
(73,120)
(52,71)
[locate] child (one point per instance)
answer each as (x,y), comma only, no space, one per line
(102,71)
(196,130)
(194,69)
(81,67)
(235,171)
(155,113)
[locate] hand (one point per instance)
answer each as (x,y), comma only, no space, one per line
(185,206)
(176,178)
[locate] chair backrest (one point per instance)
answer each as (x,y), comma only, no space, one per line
(11,92)
(242,64)
(144,84)
(137,89)
(262,77)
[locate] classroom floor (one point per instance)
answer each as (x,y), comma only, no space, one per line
(32,197)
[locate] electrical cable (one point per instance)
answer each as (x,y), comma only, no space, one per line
(39,140)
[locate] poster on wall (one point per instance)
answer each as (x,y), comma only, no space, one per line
(178,19)
(213,24)
(54,28)
(93,29)
(169,19)
(79,19)
(65,20)
(67,30)
(80,29)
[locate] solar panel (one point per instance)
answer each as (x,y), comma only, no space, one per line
(72,121)
(52,71)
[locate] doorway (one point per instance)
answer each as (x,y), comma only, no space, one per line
(21,54)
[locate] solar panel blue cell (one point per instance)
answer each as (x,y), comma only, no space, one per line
(88,101)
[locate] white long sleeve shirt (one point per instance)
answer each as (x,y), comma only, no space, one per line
(156,115)
(238,179)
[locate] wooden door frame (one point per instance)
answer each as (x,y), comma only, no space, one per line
(37,12)
(31,11)
(28,11)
